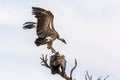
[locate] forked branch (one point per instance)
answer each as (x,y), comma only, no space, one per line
(89,77)
(44,63)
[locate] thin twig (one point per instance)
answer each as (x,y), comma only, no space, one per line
(106,77)
(73,68)
(44,61)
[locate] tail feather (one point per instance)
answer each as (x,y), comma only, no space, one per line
(29,25)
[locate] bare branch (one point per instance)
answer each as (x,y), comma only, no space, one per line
(85,77)
(106,77)
(99,78)
(44,61)
(89,77)
(73,69)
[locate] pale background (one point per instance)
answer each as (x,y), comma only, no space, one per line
(90,27)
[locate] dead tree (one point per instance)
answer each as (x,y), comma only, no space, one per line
(66,77)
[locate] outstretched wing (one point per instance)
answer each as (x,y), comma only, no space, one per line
(43,17)
(44,21)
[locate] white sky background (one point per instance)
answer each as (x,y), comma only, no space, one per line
(90,27)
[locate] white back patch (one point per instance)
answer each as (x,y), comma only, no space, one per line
(48,39)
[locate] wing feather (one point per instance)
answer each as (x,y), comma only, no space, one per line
(44,21)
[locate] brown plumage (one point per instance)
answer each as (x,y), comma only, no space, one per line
(45,29)
(58,64)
